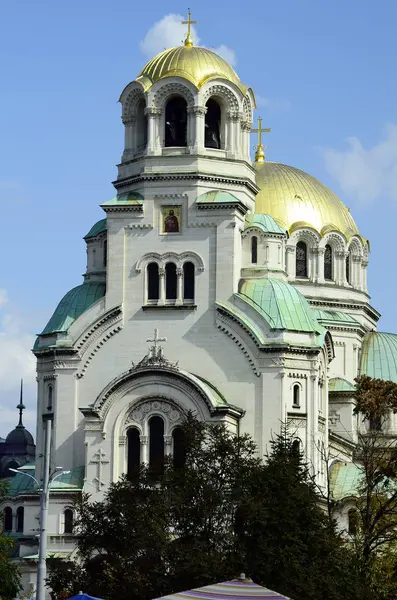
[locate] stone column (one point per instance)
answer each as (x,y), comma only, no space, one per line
(168,445)
(162,286)
(145,449)
(196,125)
(290,262)
(154,141)
(341,271)
(179,286)
(364,265)
(320,265)
(357,279)
(129,137)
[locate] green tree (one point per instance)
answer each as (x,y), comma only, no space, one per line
(10,579)
(223,512)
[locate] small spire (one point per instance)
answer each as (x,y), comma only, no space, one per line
(260,149)
(188,39)
(21,407)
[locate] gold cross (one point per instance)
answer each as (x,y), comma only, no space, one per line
(189,22)
(260,154)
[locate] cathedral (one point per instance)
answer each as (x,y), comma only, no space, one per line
(232,288)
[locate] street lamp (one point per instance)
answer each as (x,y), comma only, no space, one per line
(48,479)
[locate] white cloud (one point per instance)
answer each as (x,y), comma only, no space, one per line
(169,32)
(16,362)
(366,174)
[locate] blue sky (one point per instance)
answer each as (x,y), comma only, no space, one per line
(325,77)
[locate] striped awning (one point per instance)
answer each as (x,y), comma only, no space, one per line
(237,589)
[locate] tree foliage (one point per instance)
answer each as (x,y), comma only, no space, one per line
(10,579)
(224,512)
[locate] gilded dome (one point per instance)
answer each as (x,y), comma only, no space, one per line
(296,199)
(193,63)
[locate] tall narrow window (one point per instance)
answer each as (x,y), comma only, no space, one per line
(105,253)
(19,523)
(348,268)
(134,452)
(179,447)
(296,447)
(153,281)
(156,445)
(254,249)
(176,122)
(170,281)
(68,518)
(188,281)
(49,398)
(141,126)
(212,134)
(375,423)
(328,275)
(301,259)
(296,394)
(7,519)
(352,521)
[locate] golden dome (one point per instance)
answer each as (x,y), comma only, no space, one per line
(193,63)
(295,199)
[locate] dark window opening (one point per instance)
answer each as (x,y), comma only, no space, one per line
(134,452)
(170,281)
(188,281)
(328,275)
(301,259)
(20,515)
(296,447)
(176,122)
(68,517)
(49,398)
(156,445)
(7,519)
(179,448)
(212,133)
(348,268)
(153,281)
(254,249)
(352,521)
(105,253)
(296,395)
(141,126)
(375,423)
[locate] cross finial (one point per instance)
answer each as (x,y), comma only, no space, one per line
(189,22)
(156,350)
(21,407)
(260,152)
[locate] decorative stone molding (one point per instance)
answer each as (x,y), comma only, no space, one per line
(128,121)
(153,111)
(336,241)
(225,93)
(132,226)
(198,224)
(162,259)
(247,110)
(170,196)
(200,111)
(129,105)
(298,375)
(170,89)
(234,115)
(224,325)
(296,364)
(140,413)
(297,422)
(51,377)
(278,362)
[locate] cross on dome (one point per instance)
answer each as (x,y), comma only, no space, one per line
(260,152)
(189,22)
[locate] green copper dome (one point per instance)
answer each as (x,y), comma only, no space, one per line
(379,356)
(99,227)
(73,304)
(282,305)
(264,222)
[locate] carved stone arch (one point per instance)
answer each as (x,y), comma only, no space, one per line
(171,257)
(162,259)
(194,258)
(355,247)
(329,346)
(148,258)
(309,236)
(172,89)
(247,109)
(253,230)
(335,240)
(139,413)
(226,94)
(130,103)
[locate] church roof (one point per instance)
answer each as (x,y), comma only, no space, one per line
(379,356)
(281,304)
(217,197)
(20,484)
(264,222)
(334,317)
(99,227)
(296,199)
(345,479)
(73,304)
(338,384)
(193,63)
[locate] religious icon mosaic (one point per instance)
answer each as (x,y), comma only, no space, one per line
(170,219)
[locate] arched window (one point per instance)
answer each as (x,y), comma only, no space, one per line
(328,275)
(296,395)
(352,521)
(153,281)
(134,452)
(141,126)
(179,447)
(20,515)
(301,259)
(170,281)
(296,447)
(176,122)
(348,268)
(188,281)
(7,519)
(68,520)
(156,445)
(212,133)
(254,249)
(49,397)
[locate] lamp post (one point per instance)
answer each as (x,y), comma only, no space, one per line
(44,501)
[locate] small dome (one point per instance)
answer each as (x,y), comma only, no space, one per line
(20,436)
(193,63)
(379,356)
(99,227)
(295,199)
